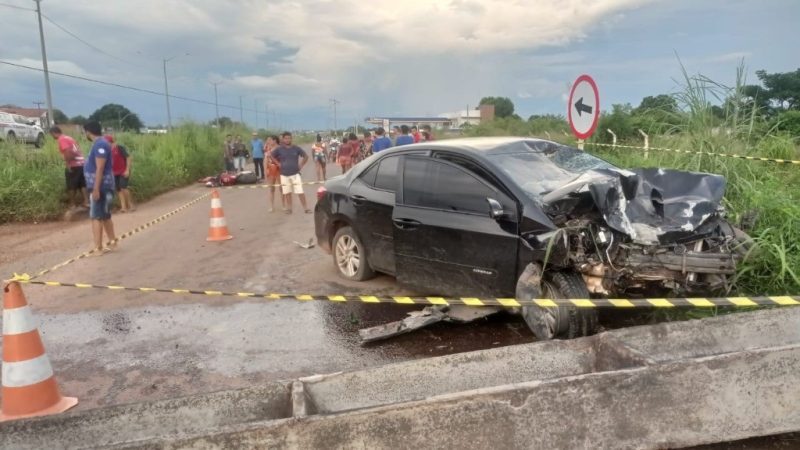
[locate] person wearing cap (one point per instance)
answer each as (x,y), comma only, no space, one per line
(257,144)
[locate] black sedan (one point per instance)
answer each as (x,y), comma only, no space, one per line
(529,218)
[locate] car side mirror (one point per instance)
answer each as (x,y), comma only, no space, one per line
(496,209)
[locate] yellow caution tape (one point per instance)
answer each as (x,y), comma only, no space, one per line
(785,300)
(725,155)
(130,233)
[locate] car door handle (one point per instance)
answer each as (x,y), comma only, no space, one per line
(406,224)
(358,199)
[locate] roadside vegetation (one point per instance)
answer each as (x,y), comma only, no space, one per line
(32,181)
(707,116)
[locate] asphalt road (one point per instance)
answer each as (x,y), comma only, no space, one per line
(111,347)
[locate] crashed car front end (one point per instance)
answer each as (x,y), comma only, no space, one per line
(643,232)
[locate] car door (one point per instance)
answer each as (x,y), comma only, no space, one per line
(445,239)
(373,197)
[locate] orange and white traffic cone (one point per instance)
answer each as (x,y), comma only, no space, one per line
(29,386)
(218,228)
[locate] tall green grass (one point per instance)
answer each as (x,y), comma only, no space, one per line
(32,180)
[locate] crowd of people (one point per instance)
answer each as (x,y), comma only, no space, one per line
(278,162)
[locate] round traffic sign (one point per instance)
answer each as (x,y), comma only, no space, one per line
(583,108)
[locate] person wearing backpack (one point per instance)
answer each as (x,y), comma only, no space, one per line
(121,162)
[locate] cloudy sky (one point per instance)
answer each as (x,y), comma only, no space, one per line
(381,57)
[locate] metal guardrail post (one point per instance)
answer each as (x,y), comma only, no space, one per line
(613,139)
(646,143)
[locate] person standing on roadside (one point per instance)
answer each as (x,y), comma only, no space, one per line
(382,142)
(345,154)
(366,145)
(292,159)
(100,182)
(73,158)
(227,153)
(320,156)
(258,156)
(239,154)
(273,171)
(415,134)
(404,138)
(121,167)
(427,133)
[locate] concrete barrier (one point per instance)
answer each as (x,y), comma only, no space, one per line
(667,385)
(104,427)
(672,405)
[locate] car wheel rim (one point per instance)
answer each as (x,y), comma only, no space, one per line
(347,256)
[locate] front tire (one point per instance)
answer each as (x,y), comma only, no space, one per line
(563,321)
(350,257)
(11,138)
(39,141)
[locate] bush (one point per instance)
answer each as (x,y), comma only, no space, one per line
(32,181)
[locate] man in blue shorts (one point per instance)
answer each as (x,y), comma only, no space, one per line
(100,183)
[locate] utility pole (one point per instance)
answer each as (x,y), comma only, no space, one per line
(166,89)
(38,104)
(166,95)
(241,111)
(216,101)
(266,117)
(335,123)
(44,64)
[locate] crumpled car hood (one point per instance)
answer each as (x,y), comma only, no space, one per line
(651,206)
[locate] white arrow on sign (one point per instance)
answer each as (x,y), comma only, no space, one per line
(583,107)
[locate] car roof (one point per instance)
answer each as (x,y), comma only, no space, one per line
(483,146)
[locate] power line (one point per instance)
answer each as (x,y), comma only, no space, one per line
(17,7)
(122,86)
(78,38)
(135,89)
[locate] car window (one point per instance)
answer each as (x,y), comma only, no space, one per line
(387,174)
(369,175)
(435,184)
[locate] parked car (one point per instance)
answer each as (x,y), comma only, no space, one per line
(16,128)
(527,218)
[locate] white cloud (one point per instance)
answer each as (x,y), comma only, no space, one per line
(424,54)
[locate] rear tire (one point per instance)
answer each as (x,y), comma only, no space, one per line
(564,321)
(39,141)
(11,138)
(350,257)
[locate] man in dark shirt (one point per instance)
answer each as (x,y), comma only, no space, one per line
(292,159)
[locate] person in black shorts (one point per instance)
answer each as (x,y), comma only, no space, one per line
(73,173)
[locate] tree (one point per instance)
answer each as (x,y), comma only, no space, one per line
(224,122)
(783,88)
(59,117)
(78,120)
(503,106)
(789,121)
(662,102)
(117,116)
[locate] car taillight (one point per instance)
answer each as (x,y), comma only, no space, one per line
(321,192)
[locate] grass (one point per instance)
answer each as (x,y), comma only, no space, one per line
(32,180)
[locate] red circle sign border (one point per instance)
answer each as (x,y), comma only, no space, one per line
(591,131)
